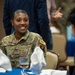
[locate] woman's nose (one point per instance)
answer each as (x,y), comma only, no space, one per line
(22,22)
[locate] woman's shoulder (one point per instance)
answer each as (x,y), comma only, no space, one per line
(32,34)
(37,37)
(6,38)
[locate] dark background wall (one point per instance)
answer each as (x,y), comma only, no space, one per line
(2,32)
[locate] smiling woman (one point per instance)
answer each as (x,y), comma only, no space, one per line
(22,42)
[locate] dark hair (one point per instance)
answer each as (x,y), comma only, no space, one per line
(71,17)
(17,12)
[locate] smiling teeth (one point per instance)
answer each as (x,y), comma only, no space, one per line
(22,27)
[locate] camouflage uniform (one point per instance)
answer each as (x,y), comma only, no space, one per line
(66,7)
(25,46)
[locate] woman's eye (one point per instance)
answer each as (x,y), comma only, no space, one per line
(26,20)
(18,20)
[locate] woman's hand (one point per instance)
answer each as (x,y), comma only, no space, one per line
(57,14)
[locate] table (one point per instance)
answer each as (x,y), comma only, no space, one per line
(70,48)
(16,71)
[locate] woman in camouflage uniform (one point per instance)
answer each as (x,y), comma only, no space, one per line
(21,42)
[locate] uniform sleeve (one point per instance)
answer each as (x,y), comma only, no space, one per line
(42,45)
(39,42)
(2,46)
(6,18)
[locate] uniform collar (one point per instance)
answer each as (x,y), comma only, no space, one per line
(13,39)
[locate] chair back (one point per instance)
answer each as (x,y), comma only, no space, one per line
(59,46)
(52,60)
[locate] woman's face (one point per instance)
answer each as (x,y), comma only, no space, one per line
(20,22)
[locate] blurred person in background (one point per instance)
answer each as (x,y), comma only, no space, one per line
(53,15)
(37,11)
(66,7)
(71,19)
(71,22)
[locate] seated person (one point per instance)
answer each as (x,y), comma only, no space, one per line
(21,42)
(71,19)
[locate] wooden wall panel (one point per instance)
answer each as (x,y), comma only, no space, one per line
(2,32)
